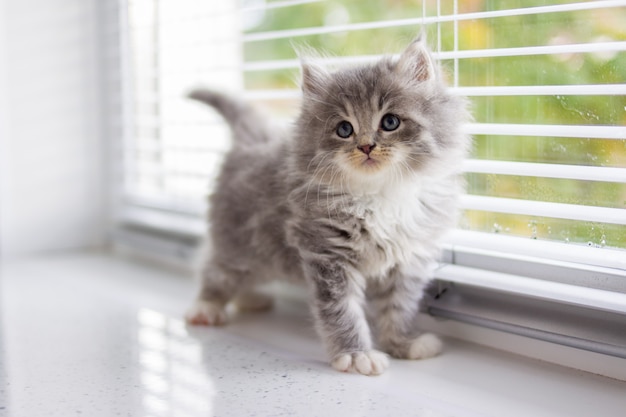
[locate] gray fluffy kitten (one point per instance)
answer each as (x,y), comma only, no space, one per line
(354,201)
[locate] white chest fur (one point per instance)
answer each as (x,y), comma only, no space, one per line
(397,230)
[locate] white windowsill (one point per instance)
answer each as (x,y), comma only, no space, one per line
(100,335)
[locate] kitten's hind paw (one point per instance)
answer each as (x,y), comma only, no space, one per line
(371,362)
(425,346)
(206,313)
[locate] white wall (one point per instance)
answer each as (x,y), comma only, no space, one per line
(53,192)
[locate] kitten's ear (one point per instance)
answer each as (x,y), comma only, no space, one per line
(314,76)
(416,62)
(314,79)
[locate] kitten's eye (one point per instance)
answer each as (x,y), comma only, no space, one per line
(389,122)
(344,129)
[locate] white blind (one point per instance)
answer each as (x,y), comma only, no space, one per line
(173,147)
(547,81)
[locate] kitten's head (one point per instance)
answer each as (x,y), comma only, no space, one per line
(378,123)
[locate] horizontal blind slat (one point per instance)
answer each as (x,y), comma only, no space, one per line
(516,284)
(573,172)
(594,47)
(544,90)
(277,5)
(427,20)
(557,8)
(544,209)
(557,131)
(500,91)
(533,50)
(552,252)
(281,64)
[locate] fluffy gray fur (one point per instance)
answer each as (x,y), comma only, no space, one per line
(358,218)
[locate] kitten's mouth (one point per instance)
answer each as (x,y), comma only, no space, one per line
(370,163)
(367,163)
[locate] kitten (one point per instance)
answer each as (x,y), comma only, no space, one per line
(354,201)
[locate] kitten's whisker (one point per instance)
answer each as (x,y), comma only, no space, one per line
(332,175)
(413,159)
(343,200)
(323,155)
(340,198)
(318,168)
(332,180)
(319,184)
(308,188)
(406,167)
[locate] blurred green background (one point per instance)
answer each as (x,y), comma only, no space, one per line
(574,27)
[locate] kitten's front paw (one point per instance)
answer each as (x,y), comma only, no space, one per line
(371,362)
(425,346)
(206,313)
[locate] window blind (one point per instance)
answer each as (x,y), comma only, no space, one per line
(172,147)
(545,210)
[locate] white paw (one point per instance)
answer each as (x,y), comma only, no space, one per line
(425,346)
(206,313)
(371,362)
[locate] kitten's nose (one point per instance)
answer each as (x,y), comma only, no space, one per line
(366,149)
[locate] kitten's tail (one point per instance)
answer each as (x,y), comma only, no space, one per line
(248,127)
